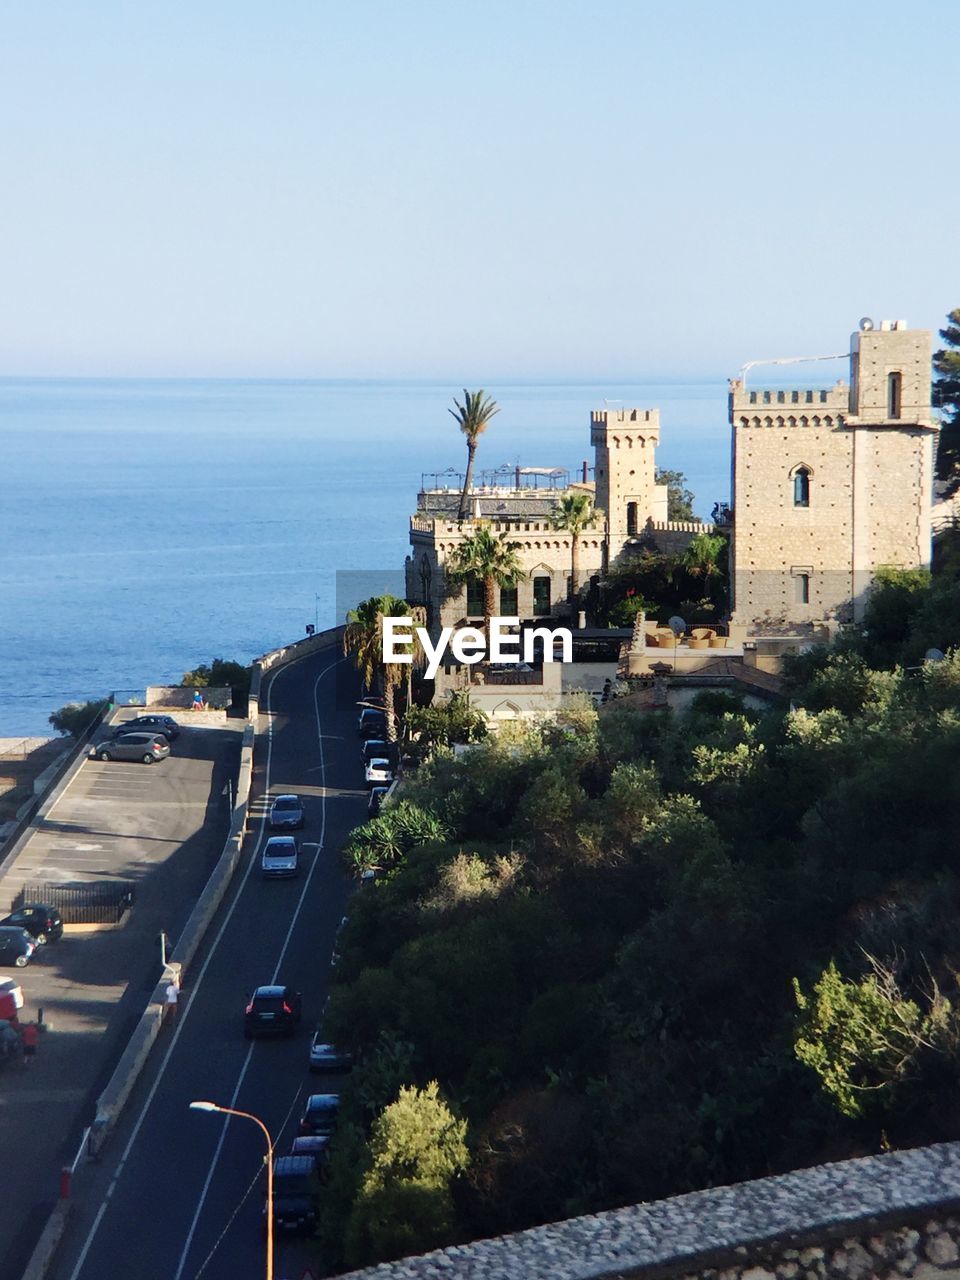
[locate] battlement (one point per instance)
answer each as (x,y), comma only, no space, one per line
(766,400)
(607,422)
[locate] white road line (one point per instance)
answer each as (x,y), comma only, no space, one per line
(185,1012)
(202,1199)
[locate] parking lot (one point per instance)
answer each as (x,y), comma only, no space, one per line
(161,828)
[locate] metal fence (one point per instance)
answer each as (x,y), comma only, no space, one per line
(102,902)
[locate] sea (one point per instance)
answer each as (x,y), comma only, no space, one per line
(149,526)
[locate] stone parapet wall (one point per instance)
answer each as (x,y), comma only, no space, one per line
(887,1216)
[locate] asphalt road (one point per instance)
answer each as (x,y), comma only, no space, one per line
(180,1194)
(161,828)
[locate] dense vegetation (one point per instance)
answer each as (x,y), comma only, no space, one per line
(649,952)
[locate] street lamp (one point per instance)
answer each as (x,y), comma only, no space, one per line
(245,1115)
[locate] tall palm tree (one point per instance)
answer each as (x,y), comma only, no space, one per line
(363,638)
(701,558)
(574,513)
(473,417)
(492,559)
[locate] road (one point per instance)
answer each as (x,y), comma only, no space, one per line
(181,1192)
(160,828)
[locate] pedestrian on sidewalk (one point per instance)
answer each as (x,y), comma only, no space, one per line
(171,996)
(30,1035)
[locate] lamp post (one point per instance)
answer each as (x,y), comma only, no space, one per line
(245,1115)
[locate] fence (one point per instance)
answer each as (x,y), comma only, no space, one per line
(99,903)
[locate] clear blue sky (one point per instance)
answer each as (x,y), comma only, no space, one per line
(424,188)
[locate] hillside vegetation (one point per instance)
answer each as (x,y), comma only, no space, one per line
(612,959)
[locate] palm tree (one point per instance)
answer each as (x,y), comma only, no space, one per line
(701,558)
(492,559)
(574,512)
(473,417)
(363,638)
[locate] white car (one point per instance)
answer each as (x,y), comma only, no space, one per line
(281,857)
(379,773)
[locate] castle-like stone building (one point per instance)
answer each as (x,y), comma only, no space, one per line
(626,491)
(831,484)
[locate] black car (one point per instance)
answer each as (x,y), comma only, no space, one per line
(375,803)
(272,1011)
(41,922)
(372,723)
(317,1148)
(146,746)
(320,1115)
(286,813)
(376,748)
(159,724)
(296,1189)
(16,946)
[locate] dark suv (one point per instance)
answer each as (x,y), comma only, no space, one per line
(148,747)
(157,724)
(272,1011)
(41,922)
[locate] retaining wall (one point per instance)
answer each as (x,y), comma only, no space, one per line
(895,1215)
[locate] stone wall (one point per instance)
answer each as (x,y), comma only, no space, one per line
(887,1216)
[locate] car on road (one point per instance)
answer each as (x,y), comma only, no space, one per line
(379,773)
(319,1117)
(151,723)
(374,747)
(280,857)
(43,923)
(328,1057)
(375,803)
(372,723)
(317,1148)
(272,1011)
(16,946)
(148,747)
(296,1193)
(286,813)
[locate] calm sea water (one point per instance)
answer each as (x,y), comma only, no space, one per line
(149,526)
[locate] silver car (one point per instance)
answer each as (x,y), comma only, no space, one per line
(148,747)
(281,857)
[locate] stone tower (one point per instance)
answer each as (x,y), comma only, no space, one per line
(624,444)
(830,484)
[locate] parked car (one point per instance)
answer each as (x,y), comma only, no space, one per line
(372,723)
(16,946)
(43,923)
(327,1057)
(296,1193)
(272,1011)
(375,803)
(280,857)
(379,773)
(320,1114)
(148,747)
(155,723)
(286,813)
(315,1146)
(377,747)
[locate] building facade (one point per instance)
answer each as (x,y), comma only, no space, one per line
(831,484)
(626,492)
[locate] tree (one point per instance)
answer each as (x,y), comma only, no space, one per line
(221,673)
(444,724)
(489,557)
(363,638)
(679,497)
(946,391)
(473,418)
(417,1149)
(574,513)
(77,717)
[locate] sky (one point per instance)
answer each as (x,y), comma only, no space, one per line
(514,188)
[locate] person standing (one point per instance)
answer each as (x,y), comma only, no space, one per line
(30,1035)
(171,997)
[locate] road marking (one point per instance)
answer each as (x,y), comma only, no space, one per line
(185,1013)
(202,1199)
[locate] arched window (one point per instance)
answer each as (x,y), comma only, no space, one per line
(801,487)
(894,391)
(541,595)
(631,519)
